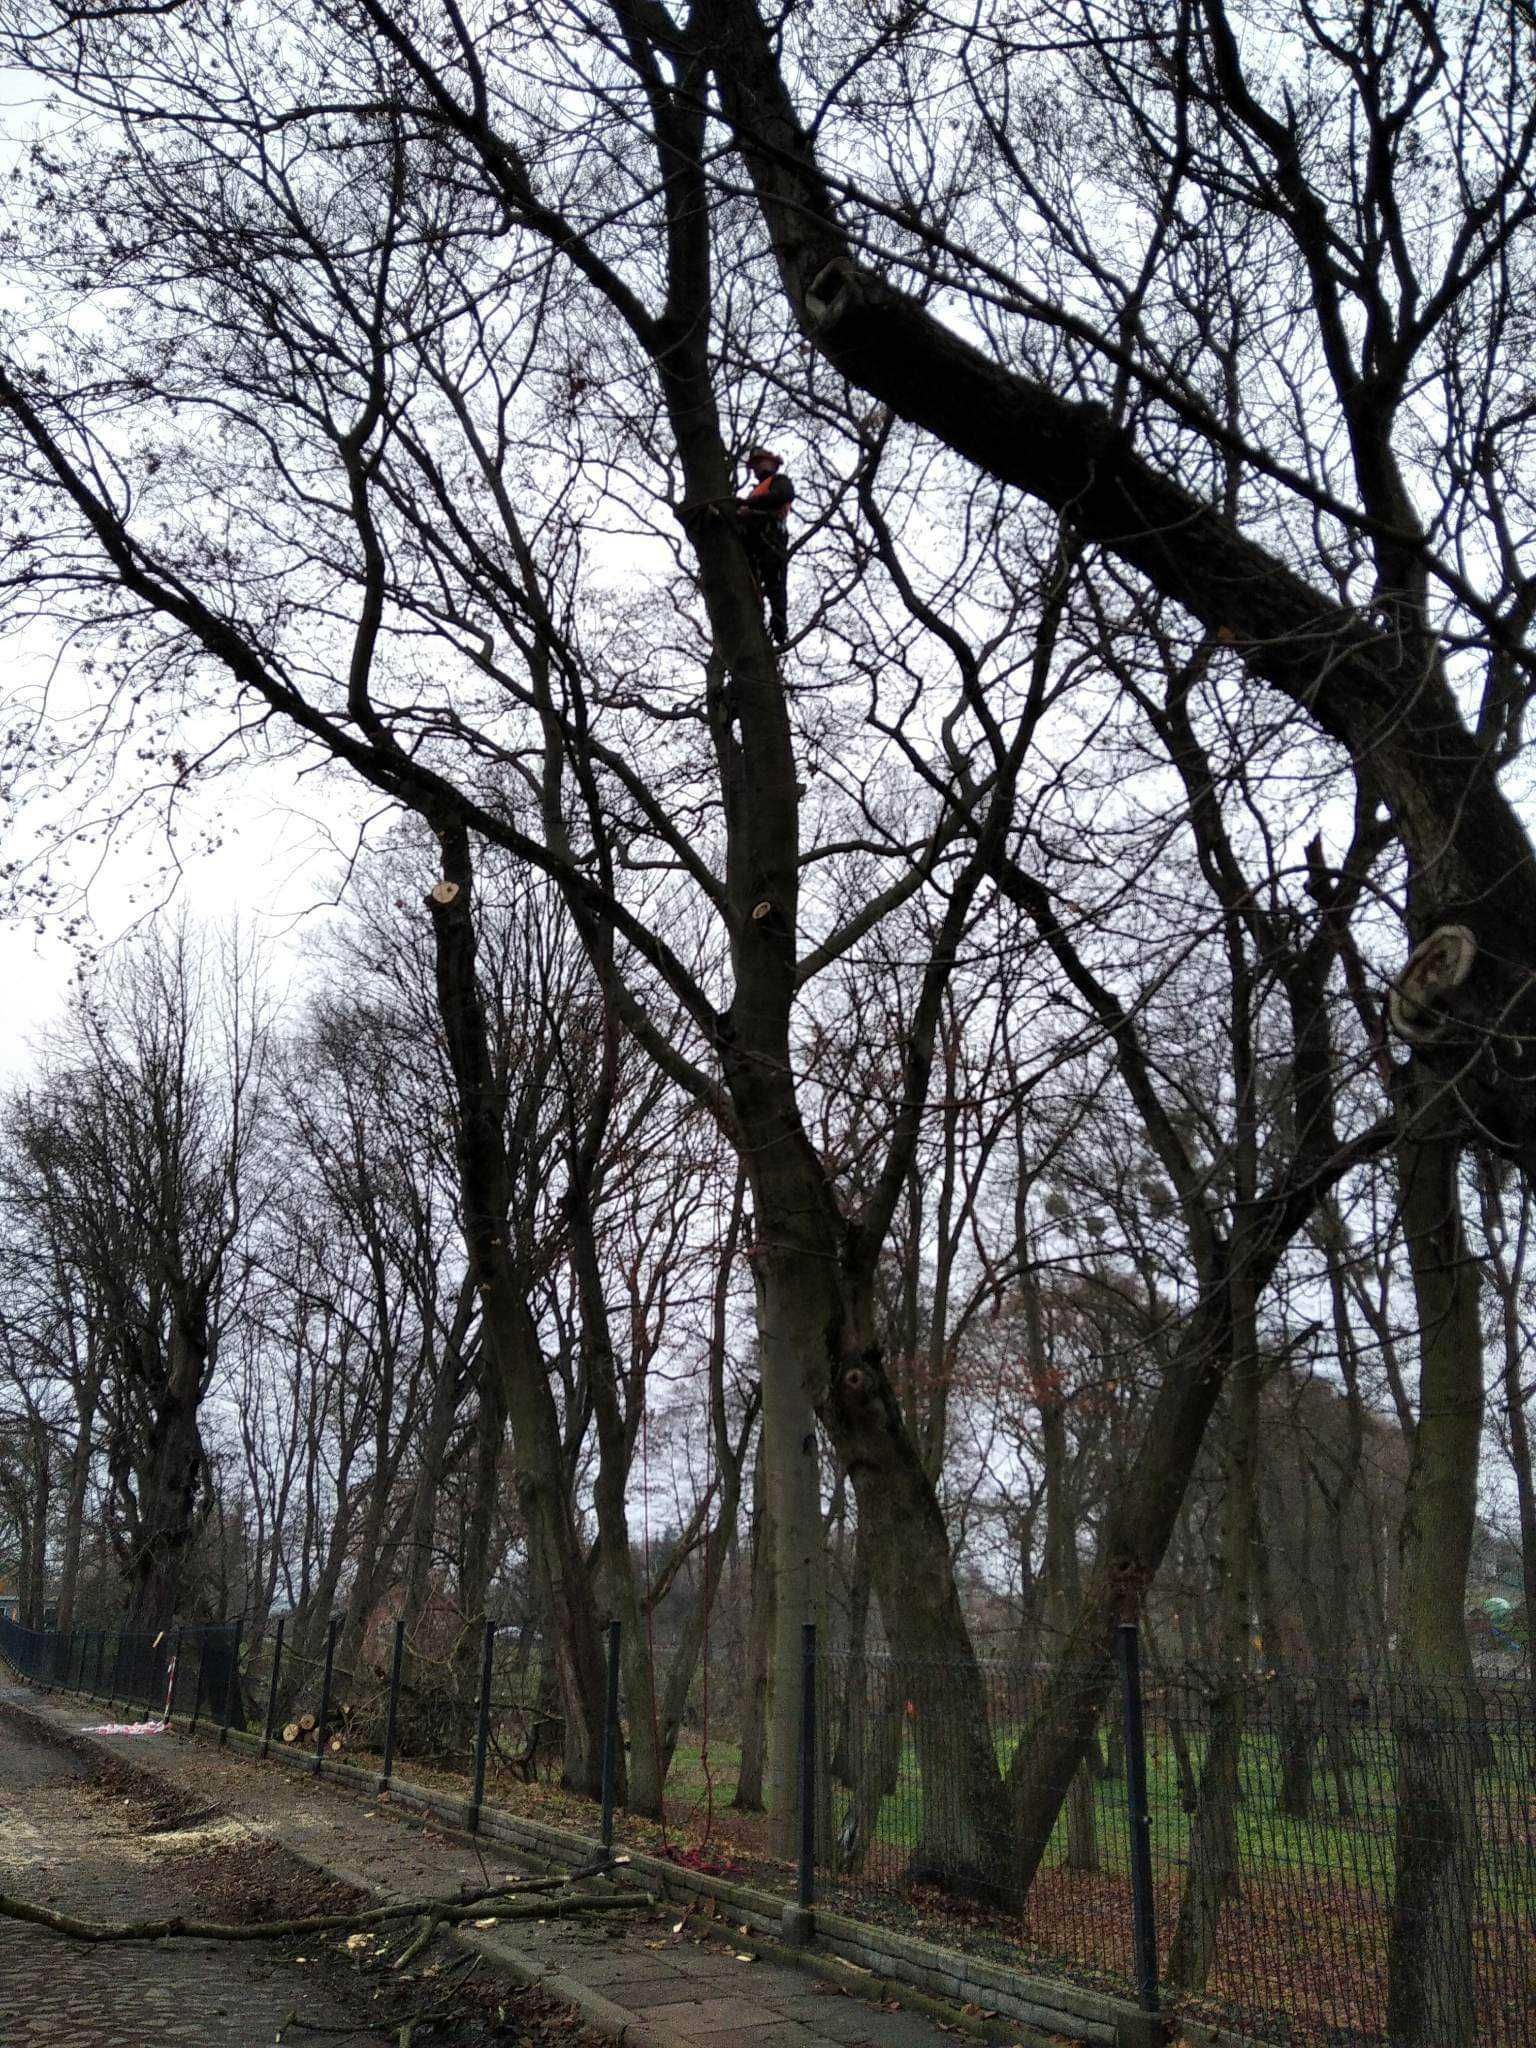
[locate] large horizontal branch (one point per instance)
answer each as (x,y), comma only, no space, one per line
(499,1904)
(1471,857)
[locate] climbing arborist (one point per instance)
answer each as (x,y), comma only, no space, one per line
(764,515)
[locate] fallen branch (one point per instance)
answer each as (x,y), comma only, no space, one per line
(497,1906)
(422,1938)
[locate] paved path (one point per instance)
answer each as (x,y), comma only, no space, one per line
(73,1843)
(672,1982)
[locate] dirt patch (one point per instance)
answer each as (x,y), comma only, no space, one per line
(160,1806)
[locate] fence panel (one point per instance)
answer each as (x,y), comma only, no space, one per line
(1276,1814)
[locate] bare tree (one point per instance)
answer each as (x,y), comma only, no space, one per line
(144,1152)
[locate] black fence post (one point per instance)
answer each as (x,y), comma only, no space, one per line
(101,1649)
(170,1684)
(1143,1912)
(482,1724)
(325,1691)
(272,1683)
(394,1701)
(233,1686)
(610,1735)
(806,1891)
(117,1667)
(197,1683)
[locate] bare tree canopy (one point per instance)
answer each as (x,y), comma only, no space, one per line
(1077,963)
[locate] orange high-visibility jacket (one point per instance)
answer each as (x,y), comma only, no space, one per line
(769,500)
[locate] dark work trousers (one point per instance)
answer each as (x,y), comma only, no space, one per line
(768,552)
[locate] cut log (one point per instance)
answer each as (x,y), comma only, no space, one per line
(291,1732)
(306,1724)
(336,1745)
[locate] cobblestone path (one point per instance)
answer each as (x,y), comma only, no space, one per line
(70,1842)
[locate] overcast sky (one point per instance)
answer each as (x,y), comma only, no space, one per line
(281,861)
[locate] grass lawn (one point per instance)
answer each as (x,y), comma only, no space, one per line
(1356,1848)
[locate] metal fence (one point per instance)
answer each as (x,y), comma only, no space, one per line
(1229,1848)
(1279,1816)
(192,1672)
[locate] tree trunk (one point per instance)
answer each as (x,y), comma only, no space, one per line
(1431,1999)
(37,1530)
(639,1778)
(844,1760)
(818,1319)
(376,1553)
(1510,1268)
(789,1339)
(509,1335)
(1063,1577)
(1082,1820)
(1296,1732)
(1211,1878)
(432,1453)
(690,1646)
(74,1514)
(749,1782)
(1293,1712)
(876,1719)
(476,1563)
(170,1473)
(1326,1601)
(1525,1493)
(1142,1516)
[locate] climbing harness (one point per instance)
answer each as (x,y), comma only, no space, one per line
(764,517)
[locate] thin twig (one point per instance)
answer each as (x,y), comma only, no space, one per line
(522,1885)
